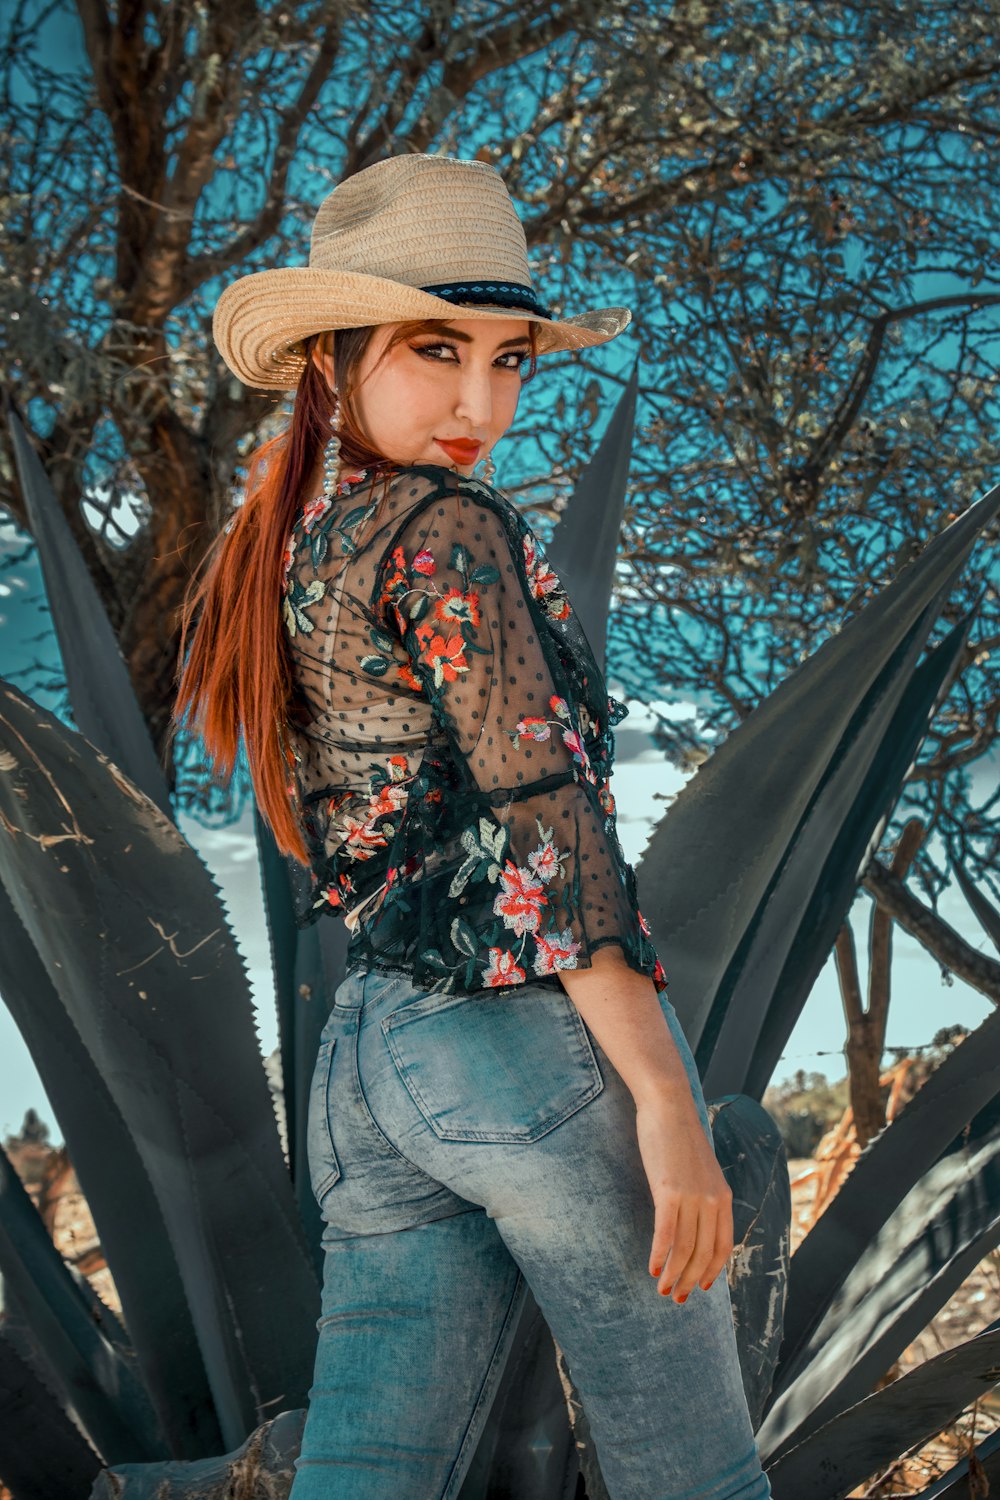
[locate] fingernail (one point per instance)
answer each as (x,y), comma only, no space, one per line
(682,1299)
(656,1271)
(666,1290)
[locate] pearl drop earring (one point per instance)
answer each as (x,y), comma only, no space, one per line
(489,468)
(331,454)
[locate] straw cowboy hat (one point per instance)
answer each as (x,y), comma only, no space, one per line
(410,237)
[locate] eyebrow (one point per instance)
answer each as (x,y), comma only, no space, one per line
(466,338)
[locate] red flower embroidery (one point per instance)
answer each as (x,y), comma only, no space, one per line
(454,605)
(503,969)
(314,510)
(521,900)
(530,727)
(445,656)
(546,861)
(362,838)
(556,952)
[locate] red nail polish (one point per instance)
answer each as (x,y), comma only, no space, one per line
(682,1299)
(656,1270)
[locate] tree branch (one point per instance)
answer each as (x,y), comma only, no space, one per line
(202,268)
(932,932)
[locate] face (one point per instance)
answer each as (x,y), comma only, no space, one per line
(460,384)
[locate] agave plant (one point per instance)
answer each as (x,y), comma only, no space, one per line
(124,978)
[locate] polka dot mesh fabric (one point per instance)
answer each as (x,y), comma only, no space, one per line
(453,741)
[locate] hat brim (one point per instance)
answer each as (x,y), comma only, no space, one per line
(260,316)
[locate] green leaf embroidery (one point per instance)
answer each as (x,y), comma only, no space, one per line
(381,638)
(463,935)
(461,559)
(295,603)
(494,838)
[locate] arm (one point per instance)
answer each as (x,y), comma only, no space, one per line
(693,1221)
(545,885)
(623,1011)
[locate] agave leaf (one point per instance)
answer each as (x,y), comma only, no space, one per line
(92,1370)
(716,864)
(262,1465)
(752,1156)
(887,1169)
(283,935)
(119,1194)
(101,695)
(308,964)
(955,1484)
(95,872)
(938,1234)
(813,894)
(989,917)
(583,547)
(41,1453)
(866,1437)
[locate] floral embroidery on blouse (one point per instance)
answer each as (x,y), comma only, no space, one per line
(437,649)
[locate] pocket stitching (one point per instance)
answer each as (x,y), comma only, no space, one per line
(507,1137)
(333,1176)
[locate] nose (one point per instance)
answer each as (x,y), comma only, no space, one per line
(474,399)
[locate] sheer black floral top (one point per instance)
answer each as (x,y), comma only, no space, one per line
(450,741)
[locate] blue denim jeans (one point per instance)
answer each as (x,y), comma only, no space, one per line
(460,1145)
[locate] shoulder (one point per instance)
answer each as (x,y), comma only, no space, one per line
(436,479)
(415,487)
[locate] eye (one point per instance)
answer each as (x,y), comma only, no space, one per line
(431,350)
(516,357)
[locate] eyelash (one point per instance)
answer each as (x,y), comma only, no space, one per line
(521,354)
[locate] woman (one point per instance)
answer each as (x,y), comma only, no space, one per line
(503,1093)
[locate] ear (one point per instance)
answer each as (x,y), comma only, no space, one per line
(324,361)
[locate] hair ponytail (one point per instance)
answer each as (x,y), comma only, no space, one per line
(237,677)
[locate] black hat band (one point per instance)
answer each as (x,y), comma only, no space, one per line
(504,293)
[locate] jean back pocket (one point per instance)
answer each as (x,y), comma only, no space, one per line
(488,1067)
(324,1168)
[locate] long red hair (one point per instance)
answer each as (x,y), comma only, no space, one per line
(237,677)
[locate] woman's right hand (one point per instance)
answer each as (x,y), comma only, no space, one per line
(692,1202)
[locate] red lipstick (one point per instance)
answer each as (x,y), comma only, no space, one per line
(462,452)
